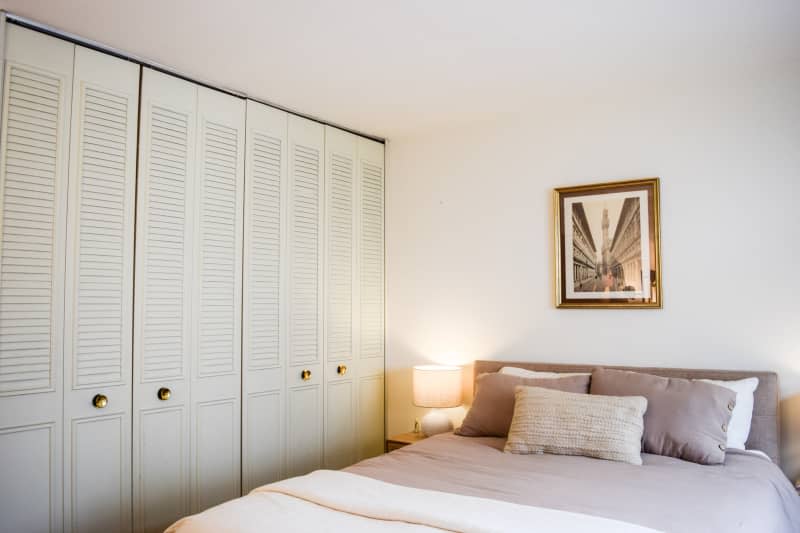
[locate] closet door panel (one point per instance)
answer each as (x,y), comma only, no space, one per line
(370,171)
(163,300)
(217,451)
(216,359)
(263,443)
(99,293)
(341,368)
(304,427)
(370,413)
(98,473)
(34,149)
(305,280)
(160,491)
(264,325)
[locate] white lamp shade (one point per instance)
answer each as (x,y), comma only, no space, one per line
(437,386)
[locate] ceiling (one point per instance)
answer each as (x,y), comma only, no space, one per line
(395,68)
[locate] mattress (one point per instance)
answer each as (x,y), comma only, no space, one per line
(747,493)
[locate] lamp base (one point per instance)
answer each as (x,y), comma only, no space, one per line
(436,422)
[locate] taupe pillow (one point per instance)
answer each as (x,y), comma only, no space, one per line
(493,405)
(685,419)
(565,423)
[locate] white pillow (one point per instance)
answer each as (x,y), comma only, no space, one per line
(742,417)
(523,373)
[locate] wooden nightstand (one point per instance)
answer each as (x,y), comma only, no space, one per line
(404,439)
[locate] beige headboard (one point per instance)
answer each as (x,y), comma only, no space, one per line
(765,432)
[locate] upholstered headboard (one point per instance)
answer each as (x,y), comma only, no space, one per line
(765,432)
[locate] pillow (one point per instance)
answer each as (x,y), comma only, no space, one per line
(493,405)
(565,423)
(742,417)
(524,373)
(685,419)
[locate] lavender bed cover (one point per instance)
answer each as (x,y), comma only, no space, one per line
(748,493)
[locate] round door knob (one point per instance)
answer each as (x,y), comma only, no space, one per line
(164,394)
(341,370)
(100,401)
(305,375)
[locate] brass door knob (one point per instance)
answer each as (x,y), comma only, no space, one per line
(306,375)
(341,370)
(100,401)
(164,394)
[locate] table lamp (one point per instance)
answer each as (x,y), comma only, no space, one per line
(436,387)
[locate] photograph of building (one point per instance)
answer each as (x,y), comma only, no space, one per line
(584,252)
(615,224)
(626,248)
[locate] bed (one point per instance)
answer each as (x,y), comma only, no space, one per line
(448,482)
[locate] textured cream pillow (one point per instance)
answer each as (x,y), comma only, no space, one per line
(566,423)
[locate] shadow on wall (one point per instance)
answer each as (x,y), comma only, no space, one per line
(790,435)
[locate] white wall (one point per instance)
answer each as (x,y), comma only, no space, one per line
(469,225)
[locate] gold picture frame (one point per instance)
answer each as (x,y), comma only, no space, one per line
(609,257)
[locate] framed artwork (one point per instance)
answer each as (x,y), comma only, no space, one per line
(607,245)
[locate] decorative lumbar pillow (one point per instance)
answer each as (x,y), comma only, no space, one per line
(742,417)
(686,419)
(493,405)
(565,423)
(525,373)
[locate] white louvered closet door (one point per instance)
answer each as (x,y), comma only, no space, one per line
(163,300)
(304,442)
(99,294)
(341,368)
(264,325)
(215,430)
(370,298)
(34,149)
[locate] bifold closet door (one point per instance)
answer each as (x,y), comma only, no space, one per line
(164,265)
(187,313)
(99,294)
(354,266)
(370,298)
(34,150)
(341,367)
(264,325)
(304,377)
(216,356)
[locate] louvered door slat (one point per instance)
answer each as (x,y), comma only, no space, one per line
(165,244)
(305,253)
(99,281)
(371,259)
(339,318)
(218,236)
(33,97)
(265,243)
